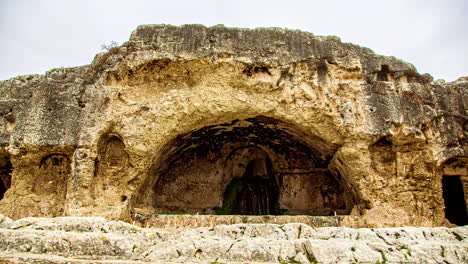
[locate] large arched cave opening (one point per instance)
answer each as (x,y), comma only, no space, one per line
(254,166)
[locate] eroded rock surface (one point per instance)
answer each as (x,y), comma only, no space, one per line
(95,240)
(169,121)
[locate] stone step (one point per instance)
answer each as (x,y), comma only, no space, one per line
(184,221)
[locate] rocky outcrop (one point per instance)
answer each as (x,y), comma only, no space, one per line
(95,240)
(173,120)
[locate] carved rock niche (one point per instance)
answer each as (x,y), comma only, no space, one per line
(112,154)
(54,171)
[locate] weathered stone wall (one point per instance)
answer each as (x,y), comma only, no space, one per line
(97,139)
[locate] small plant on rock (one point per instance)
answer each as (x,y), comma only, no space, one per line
(109,46)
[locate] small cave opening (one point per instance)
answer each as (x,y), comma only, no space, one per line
(5,174)
(253,166)
(382,75)
(454,199)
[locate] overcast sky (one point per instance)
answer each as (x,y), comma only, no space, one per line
(38,35)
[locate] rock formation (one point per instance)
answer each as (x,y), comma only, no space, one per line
(236,121)
(94,240)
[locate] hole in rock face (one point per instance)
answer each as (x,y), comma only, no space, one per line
(5,174)
(253,166)
(382,75)
(454,199)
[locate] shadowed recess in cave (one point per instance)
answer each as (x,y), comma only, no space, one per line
(454,198)
(2,190)
(5,174)
(254,166)
(254,193)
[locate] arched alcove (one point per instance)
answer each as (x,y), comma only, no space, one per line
(51,182)
(231,168)
(54,171)
(112,154)
(111,166)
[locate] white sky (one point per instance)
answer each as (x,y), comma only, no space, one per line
(38,35)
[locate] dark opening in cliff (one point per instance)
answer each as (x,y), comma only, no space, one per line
(382,75)
(454,198)
(5,174)
(253,166)
(255,192)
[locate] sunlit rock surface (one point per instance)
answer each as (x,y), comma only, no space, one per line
(95,240)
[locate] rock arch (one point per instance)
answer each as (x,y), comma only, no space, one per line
(196,168)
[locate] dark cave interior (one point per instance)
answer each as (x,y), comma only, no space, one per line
(254,166)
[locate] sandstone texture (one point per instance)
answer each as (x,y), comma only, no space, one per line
(222,120)
(96,240)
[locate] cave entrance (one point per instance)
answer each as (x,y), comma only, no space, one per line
(254,193)
(454,199)
(253,166)
(2,190)
(5,174)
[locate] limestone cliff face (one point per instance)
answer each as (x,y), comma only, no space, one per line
(169,121)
